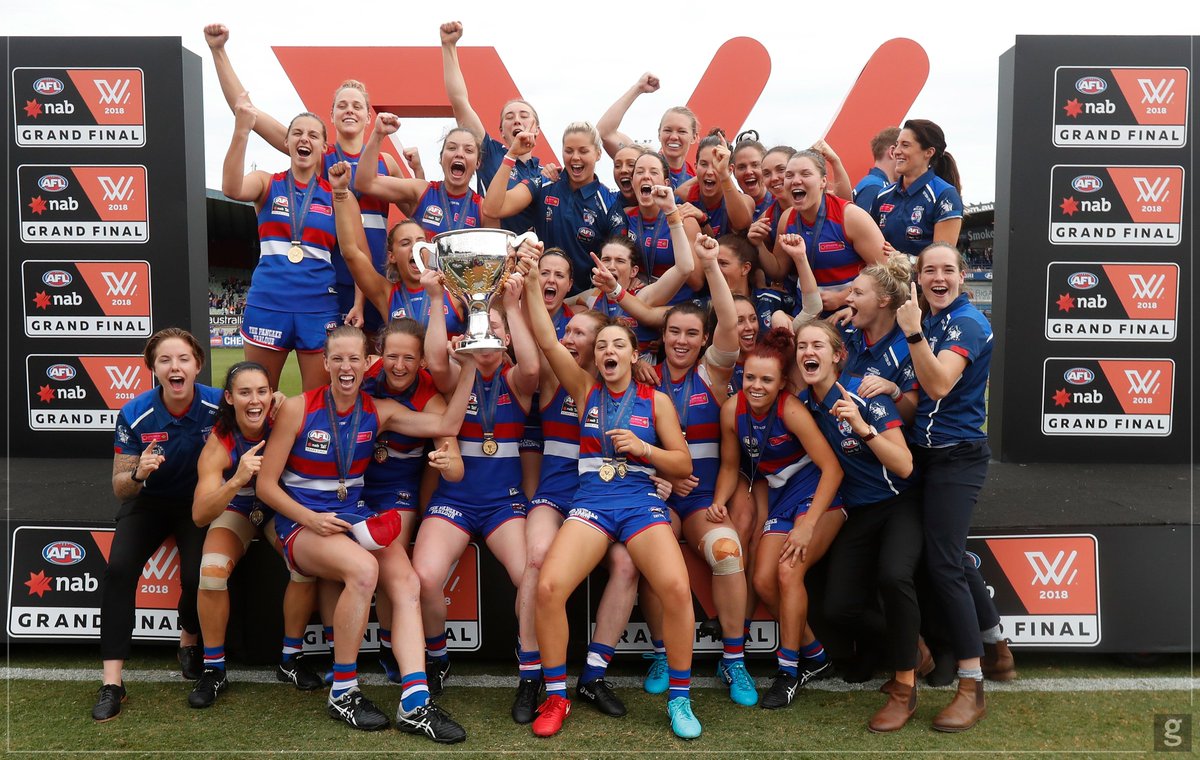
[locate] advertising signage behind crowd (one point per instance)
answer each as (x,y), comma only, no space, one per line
(106,227)
(1094,236)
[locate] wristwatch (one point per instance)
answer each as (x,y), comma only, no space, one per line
(133,476)
(871,433)
(915,338)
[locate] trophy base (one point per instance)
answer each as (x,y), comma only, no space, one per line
(471,345)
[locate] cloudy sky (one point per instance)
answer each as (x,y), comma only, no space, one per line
(812,68)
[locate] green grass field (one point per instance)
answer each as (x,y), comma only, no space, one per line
(52,717)
(221,359)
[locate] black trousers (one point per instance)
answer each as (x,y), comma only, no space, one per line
(874,557)
(953,478)
(142,524)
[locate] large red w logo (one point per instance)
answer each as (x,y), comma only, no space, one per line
(406,81)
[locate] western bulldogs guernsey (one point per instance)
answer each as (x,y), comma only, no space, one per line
(145,420)
(415,305)
(488,480)
(718,216)
(310,475)
(236,445)
(889,357)
(577,221)
(374,214)
(780,458)
(309,285)
(867,481)
(649,339)
(907,215)
(700,418)
(439,211)
(635,488)
(834,261)
(395,482)
(560,452)
(682,174)
(959,416)
(658,251)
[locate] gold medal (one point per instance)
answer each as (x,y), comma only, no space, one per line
(622,470)
(490,447)
(607,472)
(295,254)
(381,453)
(256,516)
(341,491)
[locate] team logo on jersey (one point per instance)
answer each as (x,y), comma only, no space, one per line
(589,216)
(472,404)
(844,428)
(877,411)
(568,408)
(913,232)
(317,442)
(954,333)
(433,215)
(750,443)
(1102,107)
(586,234)
(850,445)
(593,417)
(917,213)
(279,205)
(549,214)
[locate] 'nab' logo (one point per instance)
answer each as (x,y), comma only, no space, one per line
(1047,572)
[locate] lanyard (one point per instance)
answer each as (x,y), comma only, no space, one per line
(406,303)
(449,216)
(486,395)
(758,446)
(651,250)
(811,244)
(682,399)
(623,412)
(343,450)
(295,216)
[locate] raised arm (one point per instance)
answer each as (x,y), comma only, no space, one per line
(609,124)
(738,205)
(399,190)
(792,245)
(352,240)
(213,491)
(267,127)
(525,375)
(437,343)
(937,374)
(456,86)
(235,184)
(576,380)
(500,202)
(839,181)
(430,424)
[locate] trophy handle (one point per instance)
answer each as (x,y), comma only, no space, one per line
(530,235)
(418,251)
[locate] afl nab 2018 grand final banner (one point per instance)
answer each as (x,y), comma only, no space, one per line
(1094,241)
(106,227)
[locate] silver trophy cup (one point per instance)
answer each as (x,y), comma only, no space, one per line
(475,264)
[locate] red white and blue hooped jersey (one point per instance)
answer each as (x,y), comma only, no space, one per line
(374,213)
(772,211)
(789,471)
(658,251)
(888,357)
(560,451)
(310,475)
(145,419)
(907,215)
(488,480)
(439,211)
(700,419)
(387,481)
(682,174)
(866,480)
(414,304)
(960,414)
(718,215)
(308,286)
(834,261)
(761,207)
(236,445)
(636,487)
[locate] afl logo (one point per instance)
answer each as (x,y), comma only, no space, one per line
(318,436)
(60,372)
(1091,85)
(1087,183)
(63,553)
(57,278)
(1083,281)
(1079,376)
(48,86)
(53,183)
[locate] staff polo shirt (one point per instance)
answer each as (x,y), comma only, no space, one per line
(577,221)
(888,357)
(959,416)
(528,169)
(868,187)
(907,215)
(145,420)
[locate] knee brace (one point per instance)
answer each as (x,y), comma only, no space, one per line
(214,572)
(722,549)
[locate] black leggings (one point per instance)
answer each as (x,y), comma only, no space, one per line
(953,478)
(877,550)
(142,524)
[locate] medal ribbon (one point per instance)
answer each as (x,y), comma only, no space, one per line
(448,218)
(343,455)
(624,409)
(486,396)
(810,244)
(650,251)
(681,400)
(760,443)
(297,216)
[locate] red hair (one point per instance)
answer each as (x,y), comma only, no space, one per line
(777,344)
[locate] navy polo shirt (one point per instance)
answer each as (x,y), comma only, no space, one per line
(868,187)
(959,416)
(527,169)
(888,357)
(867,481)
(577,221)
(145,420)
(907,215)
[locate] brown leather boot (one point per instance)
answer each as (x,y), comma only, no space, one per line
(965,710)
(924,659)
(900,706)
(888,686)
(997,663)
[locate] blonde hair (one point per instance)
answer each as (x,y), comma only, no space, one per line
(583,128)
(892,279)
(353,84)
(682,111)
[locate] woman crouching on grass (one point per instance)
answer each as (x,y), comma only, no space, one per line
(627,432)
(312,475)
